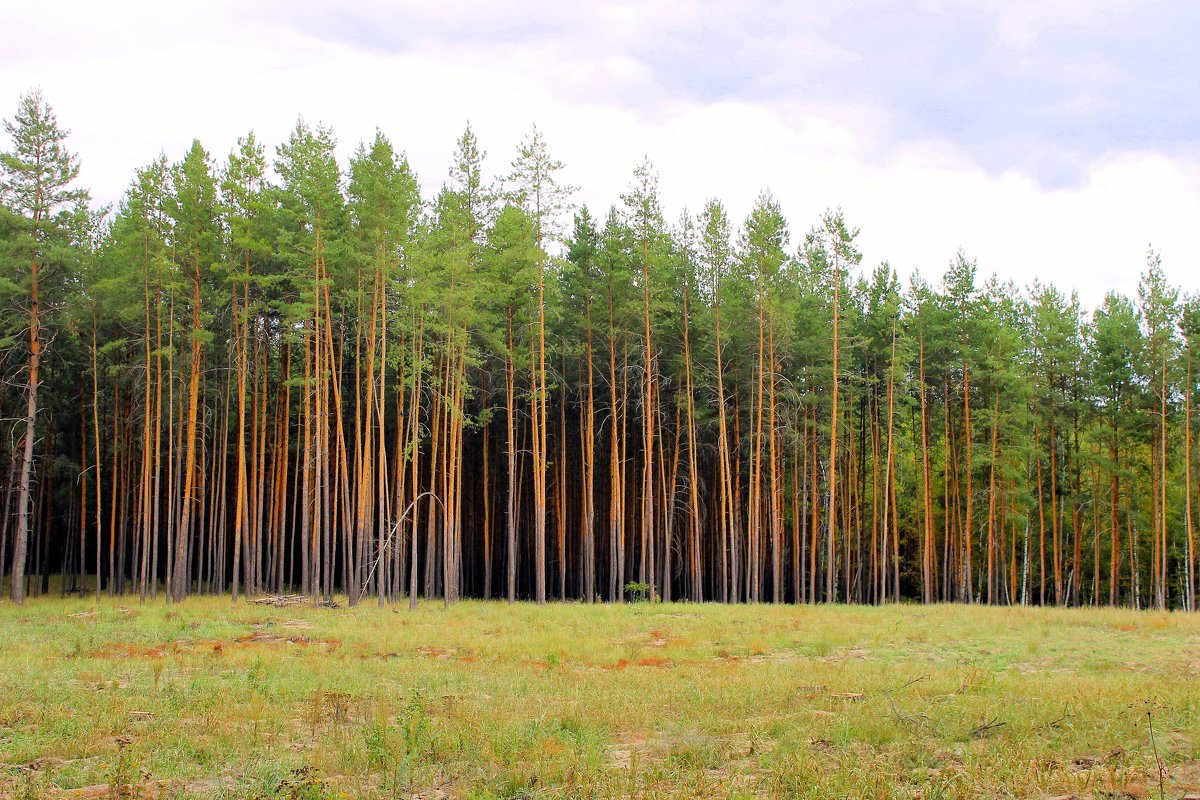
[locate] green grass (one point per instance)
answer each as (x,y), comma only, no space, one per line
(211,699)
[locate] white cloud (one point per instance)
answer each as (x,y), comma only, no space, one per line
(607,86)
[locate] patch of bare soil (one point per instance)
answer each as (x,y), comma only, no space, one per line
(112,650)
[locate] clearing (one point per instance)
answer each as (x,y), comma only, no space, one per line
(211,699)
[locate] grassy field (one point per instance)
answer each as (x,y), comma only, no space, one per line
(211,699)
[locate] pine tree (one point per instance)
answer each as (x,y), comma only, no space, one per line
(385,203)
(763,239)
(197,241)
(1158,311)
(645,220)
(829,252)
(581,287)
(38,204)
(537,189)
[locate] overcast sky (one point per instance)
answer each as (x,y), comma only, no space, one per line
(1053,138)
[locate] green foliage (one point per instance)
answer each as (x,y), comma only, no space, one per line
(637,591)
(43,218)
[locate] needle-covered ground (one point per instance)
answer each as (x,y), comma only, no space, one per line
(213,699)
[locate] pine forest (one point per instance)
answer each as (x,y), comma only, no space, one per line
(268,371)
